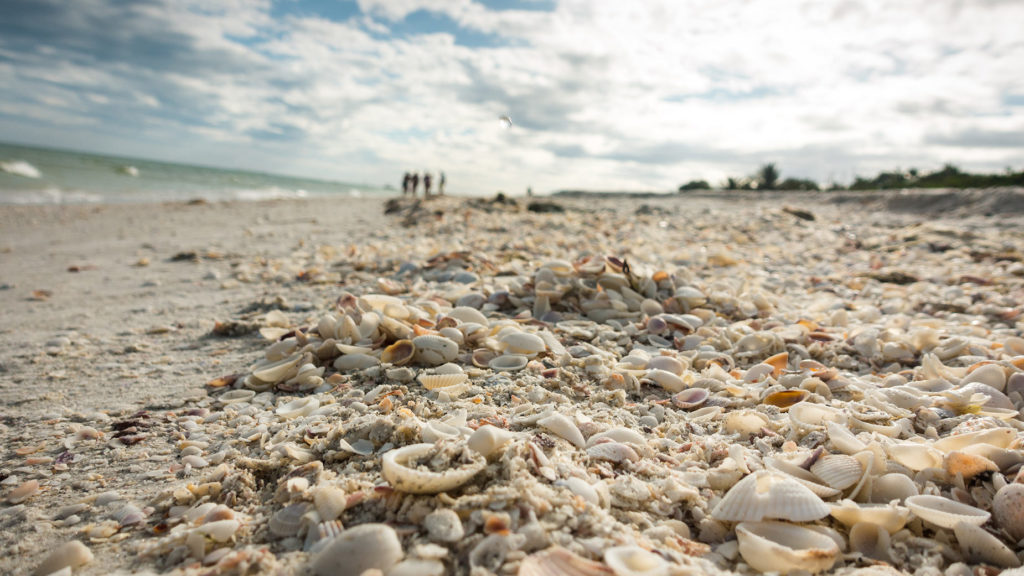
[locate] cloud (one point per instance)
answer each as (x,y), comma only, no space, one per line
(603,94)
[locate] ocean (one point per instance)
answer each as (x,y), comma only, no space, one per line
(45,176)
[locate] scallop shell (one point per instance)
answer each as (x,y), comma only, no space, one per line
(803,476)
(890,517)
(298,407)
(524,343)
(564,428)
(945,513)
(635,561)
(557,561)
(838,470)
(768,494)
(358,549)
(441,381)
(508,363)
(784,548)
(871,540)
(690,398)
(434,350)
(400,353)
(489,439)
(892,486)
(978,546)
(395,469)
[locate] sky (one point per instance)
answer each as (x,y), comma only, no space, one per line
(603,94)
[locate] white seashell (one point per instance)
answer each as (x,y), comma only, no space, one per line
(784,548)
(396,469)
(298,407)
(871,540)
(996,399)
(803,476)
(998,437)
(635,561)
(441,381)
(516,342)
(277,371)
(23,491)
(433,431)
(945,513)
(893,486)
(978,546)
(890,517)
(989,374)
(358,549)
(467,314)
(235,396)
(915,456)
(564,428)
(838,470)
(70,555)
(221,530)
(666,380)
(557,561)
(443,525)
(330,501)
(690,398)
(418,567)
(355,362)
(508,363)
(581,488)
(489,439)
(767,494)
(1008,507)
(809,416)
(843,440)
(288,521)
(668,364)
(623,435)
(434,350)
(745,422)
(613,452)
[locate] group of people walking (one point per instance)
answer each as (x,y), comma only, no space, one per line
(411,182)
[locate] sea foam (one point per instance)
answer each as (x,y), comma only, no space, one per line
(20,168)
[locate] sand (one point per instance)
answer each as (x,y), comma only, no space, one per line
(113,310)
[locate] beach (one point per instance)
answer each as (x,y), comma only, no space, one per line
(167,366)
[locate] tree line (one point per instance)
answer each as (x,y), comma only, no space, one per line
(949,176)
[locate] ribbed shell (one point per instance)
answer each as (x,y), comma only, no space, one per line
(441,381)
(767,494)
(838,470)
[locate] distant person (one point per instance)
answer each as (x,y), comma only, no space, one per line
(415,183)
(405,184)
(426,185)
(440,186)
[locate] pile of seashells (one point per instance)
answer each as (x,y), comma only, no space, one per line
(604,416)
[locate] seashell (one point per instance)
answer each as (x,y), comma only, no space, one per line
(557,561)
(843,440)
(396,469)
(988,374)
(745,423)
(807,416)
(785,399)
(400,353)
(613,452)
(784,548)
(967,465)
(468,314)
(871,540)
(449,368)
(355,362)
(564,428)
(524,343)
(489,439)
(288,520)
(434,350)
(838,470)
(128,515)
(892,486)
(298,407)
(623,435)
(330,501)
(69,555)
(690,398)
(666,380)
(220,531)
(442,381)
(235,396)
(581,488)
(802,476)
(996,399)
(914,456)
(635,561)
(277,371)
(444,526)
(768,494)
(945,513)
(1008,507)
(778,362)
(418,567)
(508,363)
(890,517)
(23,491)
(978,546)
(999,437)
(667,363)
(358,549)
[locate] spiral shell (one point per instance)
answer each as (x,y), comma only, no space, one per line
(396,469)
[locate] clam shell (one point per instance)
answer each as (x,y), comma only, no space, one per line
(400,353)
(892,486)
(807,416)
(623,435)
(508,362)
(358,549)
(666,363)
(421,480)
(330,501)
(768,494)
(564,428)
(277,371)
(843,440)
(786,399)
(557,561)
(988,374)
(945,513)
(441,381)
(745,422)
(433,431)
(489,439)
(978,546)
(838,470)
(516,342)
(434,350)
(784,548)
(1008,508)
(690,398)
(635,561)
(235,396)
(355,362)
(890,517)
(298,407)
(221,530)
(915,456)
(468,314)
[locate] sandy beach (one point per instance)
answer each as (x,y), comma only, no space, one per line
(126,325)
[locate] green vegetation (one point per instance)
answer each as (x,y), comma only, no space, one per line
(768,178)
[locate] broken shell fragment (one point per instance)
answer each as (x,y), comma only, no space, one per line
(489,439)
(564,428)
(407,469)
(784,548)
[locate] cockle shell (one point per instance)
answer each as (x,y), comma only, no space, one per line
(358,549)
(768,494)
(564,428)
(784,548)
(442,381)
(434,350)
(945,513)
(635,561)
(395,467)
(508,362)
(803,476)
(838,470)
(557,561)
(489,439)
(978,546)
(890,517)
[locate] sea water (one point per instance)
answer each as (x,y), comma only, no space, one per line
(45,176)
